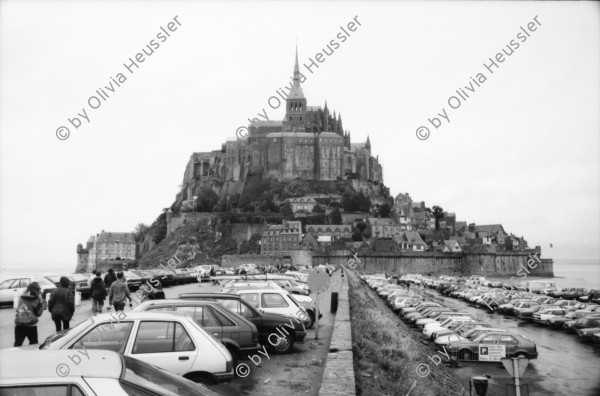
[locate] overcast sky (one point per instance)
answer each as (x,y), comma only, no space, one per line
(522,150)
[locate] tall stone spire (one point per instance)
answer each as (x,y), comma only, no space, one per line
(295,114)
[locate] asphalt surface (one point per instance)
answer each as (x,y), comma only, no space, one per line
(297,373)
(565,365)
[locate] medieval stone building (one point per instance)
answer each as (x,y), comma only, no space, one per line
(309,144)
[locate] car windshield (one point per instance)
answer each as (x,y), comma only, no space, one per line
(44,282)
(75,329)
(164,383)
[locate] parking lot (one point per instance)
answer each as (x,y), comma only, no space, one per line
(299,372)
(564,365)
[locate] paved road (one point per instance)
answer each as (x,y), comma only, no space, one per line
(565,365)
(297,373)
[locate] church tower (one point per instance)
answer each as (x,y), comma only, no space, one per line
(295,110)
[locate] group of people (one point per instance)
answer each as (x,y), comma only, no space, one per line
(61,303)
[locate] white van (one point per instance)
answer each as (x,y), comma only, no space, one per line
(248,267)
(539,285)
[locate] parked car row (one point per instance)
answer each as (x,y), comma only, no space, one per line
(541,308)
(459,334)
(196,338)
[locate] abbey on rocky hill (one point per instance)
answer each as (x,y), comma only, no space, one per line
(309,144)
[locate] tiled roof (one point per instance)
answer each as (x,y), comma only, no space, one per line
(494,228)
(112,237)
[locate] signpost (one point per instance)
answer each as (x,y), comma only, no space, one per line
(516,368)
(491,352)
(318,281)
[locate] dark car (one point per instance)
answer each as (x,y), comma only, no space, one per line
(166,278)
(184,275)
(133,281)
(238,334)
(515,345)
(266,323)
(587,322)
(575,294)
(145,275)
(79,282)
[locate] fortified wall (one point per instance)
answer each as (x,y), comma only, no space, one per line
(430,263)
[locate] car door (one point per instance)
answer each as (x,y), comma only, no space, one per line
(510,343)
(204,318)
(275,303)
(112,336)
(8,288)
(165,344)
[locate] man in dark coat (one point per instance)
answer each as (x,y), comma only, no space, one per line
(29,309)
(109,278)
(98,293)
(62,304)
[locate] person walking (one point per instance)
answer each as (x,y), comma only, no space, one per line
(98,292)
(29,309)
(119,293)
(109,278)
(62,304)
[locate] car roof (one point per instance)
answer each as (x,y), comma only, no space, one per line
(26,364)
(137,315)
(209,295)
(171,301)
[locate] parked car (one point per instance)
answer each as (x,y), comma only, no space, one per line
(276,301)
(588,333)
(543,316)
(266,323)
(171,341)
(133,281)
(239,335)
(557,322)
(17,284)
(80,282)
(53,373)
(515,345)
(144,274)
(166,278)
(184,275)
(203,272)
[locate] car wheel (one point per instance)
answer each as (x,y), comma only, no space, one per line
(284,345)
(203,379)
(311,322)
(465,354)
(234,355)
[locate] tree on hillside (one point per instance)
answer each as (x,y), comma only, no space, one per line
(438,214)
(286,211)
(159,228)
(207,199)
(335,217)
(318,209)
(140,232)
(361,226)
(384,210)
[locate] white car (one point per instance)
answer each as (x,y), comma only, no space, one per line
(275,301)
(171,341)
(430,328)
(95,372)
(17,284)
